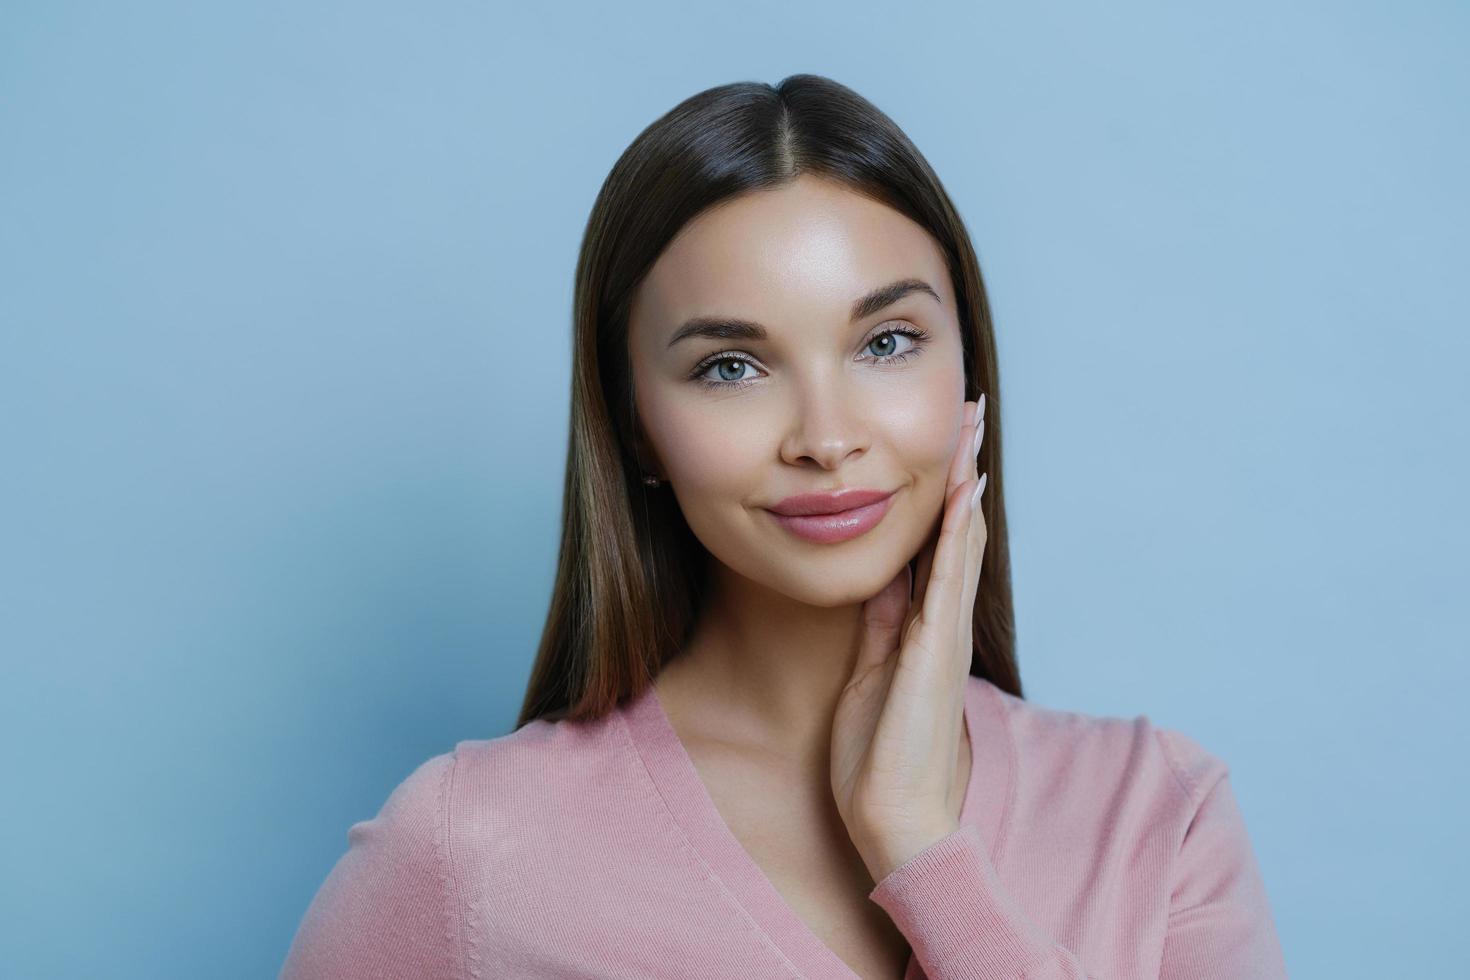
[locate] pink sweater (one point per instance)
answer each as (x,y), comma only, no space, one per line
(1089,847)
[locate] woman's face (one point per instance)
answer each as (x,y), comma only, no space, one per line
(824,401)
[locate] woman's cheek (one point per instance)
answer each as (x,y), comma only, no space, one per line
(713,460)
(925,424)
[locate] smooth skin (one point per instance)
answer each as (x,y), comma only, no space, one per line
(821,708)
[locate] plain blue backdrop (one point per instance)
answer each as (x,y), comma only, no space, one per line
(284,303)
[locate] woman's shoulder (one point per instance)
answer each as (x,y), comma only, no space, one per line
(484,779)
(1092,750)
(458,818)
(530,761)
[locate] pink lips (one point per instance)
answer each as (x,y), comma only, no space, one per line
(828,518)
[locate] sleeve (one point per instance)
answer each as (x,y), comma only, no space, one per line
(961,922)
(385,909)
(963,925)
(1220,922)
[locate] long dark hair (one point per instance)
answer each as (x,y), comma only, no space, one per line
(631,574)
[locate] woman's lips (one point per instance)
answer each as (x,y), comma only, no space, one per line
(841,526)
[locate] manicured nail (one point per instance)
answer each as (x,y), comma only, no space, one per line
(980,410)
(979,435)
(979,489)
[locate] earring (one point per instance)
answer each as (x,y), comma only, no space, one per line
(650,480)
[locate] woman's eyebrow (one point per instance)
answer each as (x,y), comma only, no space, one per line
(734,328)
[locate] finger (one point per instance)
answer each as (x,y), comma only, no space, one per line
(925,560)
(959,464)
(974,552)
(974,560)
(946,577)
(884,617)
(979,435)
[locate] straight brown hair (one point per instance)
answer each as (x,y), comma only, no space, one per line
(630,574)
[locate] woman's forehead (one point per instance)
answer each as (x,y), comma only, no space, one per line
(804,249)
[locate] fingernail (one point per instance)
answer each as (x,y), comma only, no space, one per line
(979,436)
(979,489)
(980,410)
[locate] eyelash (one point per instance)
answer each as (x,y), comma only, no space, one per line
(919,336)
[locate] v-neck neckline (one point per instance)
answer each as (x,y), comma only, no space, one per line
(693,809)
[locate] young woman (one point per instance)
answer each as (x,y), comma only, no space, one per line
(775,726)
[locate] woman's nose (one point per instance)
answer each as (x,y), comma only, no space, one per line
(826,428)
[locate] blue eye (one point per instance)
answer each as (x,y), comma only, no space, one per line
(739,360)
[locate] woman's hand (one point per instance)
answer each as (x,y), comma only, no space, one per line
(897,727)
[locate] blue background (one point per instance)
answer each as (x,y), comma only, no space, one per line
(284,390)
